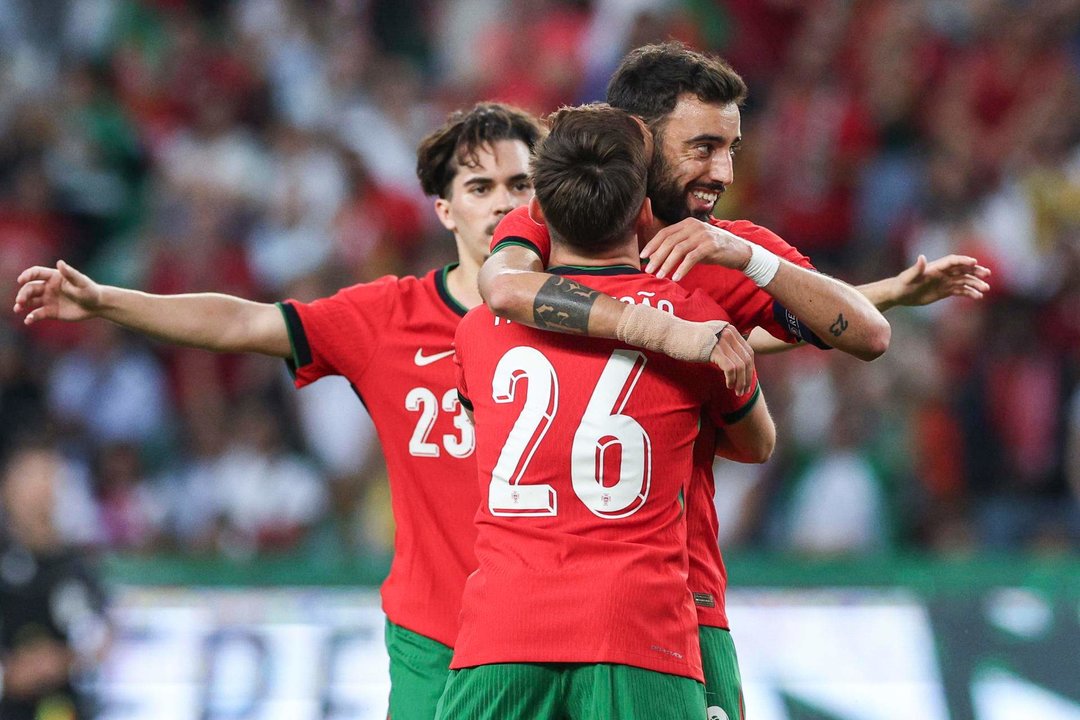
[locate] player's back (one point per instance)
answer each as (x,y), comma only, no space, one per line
(584,450)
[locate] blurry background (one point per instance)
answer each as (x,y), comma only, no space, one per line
(265,148)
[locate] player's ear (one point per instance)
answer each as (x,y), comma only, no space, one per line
(645,218)
(536,213)
(442,211)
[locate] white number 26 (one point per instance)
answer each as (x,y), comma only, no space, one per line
(604,430)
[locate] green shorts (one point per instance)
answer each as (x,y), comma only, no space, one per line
(418,668)
(723,684)
(574,691)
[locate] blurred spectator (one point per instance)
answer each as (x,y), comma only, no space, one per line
(267,496)
(377,228)
(53,626)
(132,511)
(306,188)
(22,391)
(107,389)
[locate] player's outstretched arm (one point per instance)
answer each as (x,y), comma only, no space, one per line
(210,321)
(923,283)
(751,439)
(835,311)
(928,282)
(514,286)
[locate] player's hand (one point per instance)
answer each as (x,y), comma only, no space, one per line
(734,356)
(679,247)
(953,275)
(60,293)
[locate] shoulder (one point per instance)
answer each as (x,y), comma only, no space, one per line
(699,306)
(477,320)
(385,287)
(764,237)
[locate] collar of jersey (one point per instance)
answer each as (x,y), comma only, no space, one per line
(594,270)
(444,291)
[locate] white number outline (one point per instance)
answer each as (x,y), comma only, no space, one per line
(463,446)
(603,426)
(506,495)
(423,400)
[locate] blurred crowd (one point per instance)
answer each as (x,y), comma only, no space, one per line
(265,148)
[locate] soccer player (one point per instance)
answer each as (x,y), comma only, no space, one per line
(580,607)
(392,339)
(691,102)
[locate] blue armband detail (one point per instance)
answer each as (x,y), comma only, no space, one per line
(796,328)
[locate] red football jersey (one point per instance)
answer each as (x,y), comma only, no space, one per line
(585,451)
(392,339)
(748,306)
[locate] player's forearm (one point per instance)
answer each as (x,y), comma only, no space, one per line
(727,450)
(881,293)
(552,302)
(763,343)
(514,286)
(836,312)
(210,321)
(750,440)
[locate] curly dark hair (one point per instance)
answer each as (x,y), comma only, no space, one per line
(651,78)
(445,150)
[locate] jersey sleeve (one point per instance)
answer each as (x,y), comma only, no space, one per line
(340,334)
(459,369)
(749,305)
(517,228)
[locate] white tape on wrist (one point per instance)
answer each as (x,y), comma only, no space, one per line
(646,327)
(762,266)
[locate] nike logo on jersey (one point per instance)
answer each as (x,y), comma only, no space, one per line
(421,359)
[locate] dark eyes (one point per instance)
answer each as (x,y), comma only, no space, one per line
(704,151)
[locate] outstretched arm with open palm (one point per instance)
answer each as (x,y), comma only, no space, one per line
(211,321)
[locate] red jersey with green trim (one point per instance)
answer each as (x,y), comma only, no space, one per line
(585,450)
(748,306)
(393,340)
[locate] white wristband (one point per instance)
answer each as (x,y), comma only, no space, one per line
(762,266)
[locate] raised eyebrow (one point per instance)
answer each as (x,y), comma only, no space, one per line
(518,178)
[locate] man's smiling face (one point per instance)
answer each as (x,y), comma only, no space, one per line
(693,162)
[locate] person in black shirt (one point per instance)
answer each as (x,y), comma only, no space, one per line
(53,626)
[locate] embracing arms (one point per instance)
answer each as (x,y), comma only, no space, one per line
(515,286)
(512,277)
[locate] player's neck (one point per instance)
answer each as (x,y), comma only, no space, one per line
(623,254)
(646,231)
(461,281)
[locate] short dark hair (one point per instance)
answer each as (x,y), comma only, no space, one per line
(442,153)
(589,175)
(651,78)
